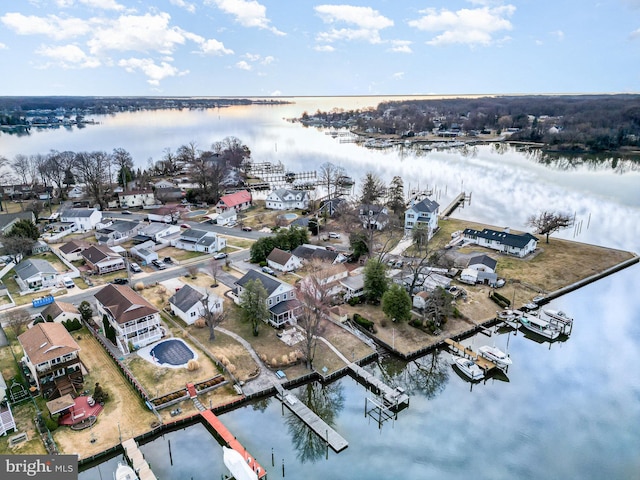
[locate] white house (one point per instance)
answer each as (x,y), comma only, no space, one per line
(236,201)
(225,218)
(200,241)
(136,322)
(85,218)
(283,261)
(117,232)
(505,242)
(187,303)
(423,214)
(482,263)
(164,184)
(281,300)
(136,198)
(165,214)
(420,299)
(77,191)
(285,199)
(60,312)
(353,286)
(144,253)
(71,250)
(34,274)
(158,231)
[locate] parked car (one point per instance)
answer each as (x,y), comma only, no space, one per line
(246,229)
(168,260)
(134,267)
(126,212)
(120,281)
(331,248)
(220,256)
(334,235)
(184,225)
(68,283)
(269,270)
(159,265)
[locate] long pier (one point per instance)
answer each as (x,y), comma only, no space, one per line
(138,463)
(482,362)
(392,397)
(459,200)
(315,423)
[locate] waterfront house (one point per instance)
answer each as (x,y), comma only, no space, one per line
(52,357)
(136,323)
(502,241)
(353,286)
(281,298)
(283,261)
(423,214)
(35,274)
(70,251)
(60,312)
(482,263)
(286,199)
(234,201)
(188,303)
(101,259)
(331,207)
(117,232)
(204,241)
(136,198)
(85,219)
(373,216)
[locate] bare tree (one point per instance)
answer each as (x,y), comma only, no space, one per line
(25,169)
(313,295)
(193,270)
(232,151)
(214,270)
(212,316)
(329,177)
(123,160)
(93,170)
(549,222)
(17,320)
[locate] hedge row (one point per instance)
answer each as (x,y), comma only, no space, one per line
(363,322)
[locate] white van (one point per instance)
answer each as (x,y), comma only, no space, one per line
(68,283)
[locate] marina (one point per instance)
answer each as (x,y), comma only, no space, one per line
(466,352)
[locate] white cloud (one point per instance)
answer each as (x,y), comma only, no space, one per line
(153,71)
(559,34)
(367,22)
(3,46)
(268,60)
(214,47)
(242,65)
(68,56)
(635,34)
(141,33)
(324,48)
(50,26)
(64,3)
(466,26)
(401,46)
(189,7)
(276,93)
(398,75)
(103,4)
(247,13)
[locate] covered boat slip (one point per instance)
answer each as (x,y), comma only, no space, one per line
(482,362)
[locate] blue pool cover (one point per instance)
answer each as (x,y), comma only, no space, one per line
(173,352)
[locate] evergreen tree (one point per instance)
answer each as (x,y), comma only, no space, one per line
(253,301)
(396,303)
(375,280)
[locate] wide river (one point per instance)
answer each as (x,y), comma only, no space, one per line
(567,410)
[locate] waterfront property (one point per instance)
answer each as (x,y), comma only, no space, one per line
(52,358)
(101,259)
(423,214)
(135,321)
(505,241)
(373,216)
(286,199)
(281,297)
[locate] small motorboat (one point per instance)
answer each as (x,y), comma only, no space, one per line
(496,355)
(539,326)
(469,368)
(125,472)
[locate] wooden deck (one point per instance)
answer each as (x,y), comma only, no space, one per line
(232,442)
(315,423)
(138,463)
(391,396)
(482,362)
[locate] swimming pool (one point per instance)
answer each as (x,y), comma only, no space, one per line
(196,213)
(289,216)
(172,353)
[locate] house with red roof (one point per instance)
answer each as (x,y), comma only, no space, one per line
(234,201)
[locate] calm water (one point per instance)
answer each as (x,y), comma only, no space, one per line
(566,410)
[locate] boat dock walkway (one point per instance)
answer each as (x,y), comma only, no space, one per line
(138,463)
(315,423)
(392,397)
(231,441)
(482,362)
(459,200)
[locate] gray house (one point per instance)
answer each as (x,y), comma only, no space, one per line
(34,274)
(118,232)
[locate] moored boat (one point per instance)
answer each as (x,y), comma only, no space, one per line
(469,368)
(539,326)
(496,355)
(125,472)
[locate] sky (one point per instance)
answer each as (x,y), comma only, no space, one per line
(318,48)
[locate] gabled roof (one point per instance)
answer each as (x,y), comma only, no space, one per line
(427,205)
(7,219)
(505,238)
(484,260)
(135,192)
(56,308)
(307,253)
(32,266)
(298,195)
(279,256)
(194,235)
(237,198)
(268,282)
(98,253)
(124,304)
(74,245)
(185,298)
(77,212)
(46,341)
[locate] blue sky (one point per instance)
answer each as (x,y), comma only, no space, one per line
(303,47)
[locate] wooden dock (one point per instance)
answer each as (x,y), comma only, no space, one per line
(392,397)
(232,442)
(482,362)
(459,200)
(138,463)
(315,423)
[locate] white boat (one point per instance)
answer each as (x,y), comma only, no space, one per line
(125,472)
(540,326)
(558,315)
(469,368)
(496,355)
(237,465)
